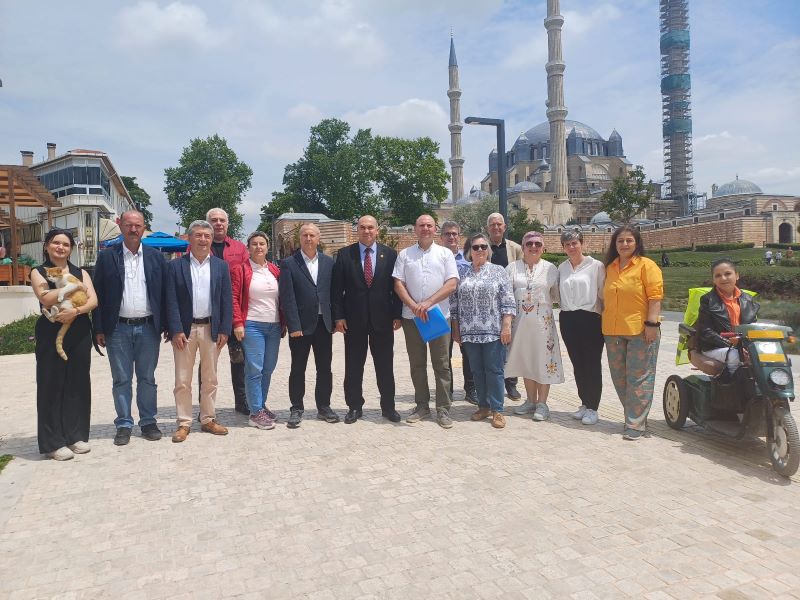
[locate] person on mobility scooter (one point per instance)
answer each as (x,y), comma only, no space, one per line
(750,384)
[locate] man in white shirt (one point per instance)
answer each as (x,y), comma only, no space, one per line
(425,275)
(199,318)
(129,282)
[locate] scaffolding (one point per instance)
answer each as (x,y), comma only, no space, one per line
(676,105)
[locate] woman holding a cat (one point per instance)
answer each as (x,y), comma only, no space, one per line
(63,349)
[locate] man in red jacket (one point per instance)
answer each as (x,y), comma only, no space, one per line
(234,253)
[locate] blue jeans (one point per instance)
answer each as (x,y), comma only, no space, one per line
(260,343)
(487,362)
(134,348)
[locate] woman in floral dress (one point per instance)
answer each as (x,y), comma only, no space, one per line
(534,354)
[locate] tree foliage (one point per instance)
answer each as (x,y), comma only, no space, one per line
(628,196)
(141,199)
(519,224)
(410,176)
(209,175)
(472,217)
(346,176)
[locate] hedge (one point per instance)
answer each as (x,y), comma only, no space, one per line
(783,246)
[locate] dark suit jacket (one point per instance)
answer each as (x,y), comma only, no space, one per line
(359,305)
(300,298)
(713,319)
(109,284)
(179,297)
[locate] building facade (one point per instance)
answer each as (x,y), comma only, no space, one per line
(90,191)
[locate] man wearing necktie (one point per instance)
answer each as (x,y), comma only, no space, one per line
(367,311)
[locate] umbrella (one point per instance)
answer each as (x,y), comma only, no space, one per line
(158,240)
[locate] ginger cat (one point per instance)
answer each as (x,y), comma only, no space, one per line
(71,294)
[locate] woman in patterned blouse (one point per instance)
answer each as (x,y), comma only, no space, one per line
(483,309)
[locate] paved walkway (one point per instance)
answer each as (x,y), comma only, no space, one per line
(376,510)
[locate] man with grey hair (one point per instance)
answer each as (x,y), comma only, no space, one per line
(235,254)
(504,252)
(129,281)
(199,318)
(450,234)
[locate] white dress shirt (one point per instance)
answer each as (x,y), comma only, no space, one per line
(581,287)
(361,250)
(201,287)
(424,272)
(312,264)
(135,304)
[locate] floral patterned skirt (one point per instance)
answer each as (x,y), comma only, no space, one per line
(535,352)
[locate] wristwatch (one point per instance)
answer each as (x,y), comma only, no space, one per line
(652,324)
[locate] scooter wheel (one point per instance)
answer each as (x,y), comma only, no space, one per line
(784,450)
(676,402)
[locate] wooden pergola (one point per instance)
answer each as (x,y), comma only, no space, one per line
(19,187)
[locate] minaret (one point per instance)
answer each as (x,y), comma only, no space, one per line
(556,113)
(455,127)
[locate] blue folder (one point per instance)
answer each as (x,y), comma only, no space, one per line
(436,326)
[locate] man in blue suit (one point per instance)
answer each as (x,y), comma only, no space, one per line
(305,294)
(199,318)
(129,282)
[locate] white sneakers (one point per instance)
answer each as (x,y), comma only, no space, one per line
(524,408)
(62,453)
(587,416)
(80,448)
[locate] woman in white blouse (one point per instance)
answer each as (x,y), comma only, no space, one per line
(258,325)
(534,354)
(581,288)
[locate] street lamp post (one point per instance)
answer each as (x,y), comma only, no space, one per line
(500,124)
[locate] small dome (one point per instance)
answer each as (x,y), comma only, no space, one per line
(525,186)
(494,151)
(736,187)
(614,135)
(600,218)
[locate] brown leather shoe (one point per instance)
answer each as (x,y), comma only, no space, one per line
(180,434)
(214,427)
(480,414)
(498,420)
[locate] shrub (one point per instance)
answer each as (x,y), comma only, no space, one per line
(782,246)
(17,337)
(722,247)
(775,284)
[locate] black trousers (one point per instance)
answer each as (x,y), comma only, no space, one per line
(381,346)
(300,347)
(469,382)
(583,335)
(63,388)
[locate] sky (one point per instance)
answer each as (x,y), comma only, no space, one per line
(140,79)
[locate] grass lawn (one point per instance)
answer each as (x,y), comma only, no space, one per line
(17,337)
(4,460)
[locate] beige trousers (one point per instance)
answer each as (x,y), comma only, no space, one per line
(199,339)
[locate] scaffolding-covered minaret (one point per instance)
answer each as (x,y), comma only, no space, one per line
(676,104)
(455,127)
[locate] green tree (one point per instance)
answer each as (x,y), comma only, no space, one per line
(472,217)
(209,175)
(141,199)
(628,196)
(519,225)
(410,176)
(334,175)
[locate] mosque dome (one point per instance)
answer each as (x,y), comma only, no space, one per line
(525,186)
(541,132)
(736,187)
(601,218)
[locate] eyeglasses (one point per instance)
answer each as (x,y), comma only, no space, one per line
(449,233)
(530,244)
(481,247)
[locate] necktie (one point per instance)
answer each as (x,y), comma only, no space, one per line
(368,266)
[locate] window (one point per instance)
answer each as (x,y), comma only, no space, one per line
(30,233)
(516,179)
(696,220)
(96,191)
(75,190)
(94,175)
(81,175)
(722,216)
(774,207)
(674,223)
(746,212)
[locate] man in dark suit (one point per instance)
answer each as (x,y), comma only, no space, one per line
(305,294)
(199,318)
(129,282)
(367,312)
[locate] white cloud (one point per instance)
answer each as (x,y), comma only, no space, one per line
(305,113)
(147,25)
(410,118)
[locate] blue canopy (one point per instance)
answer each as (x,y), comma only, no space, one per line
(158,240)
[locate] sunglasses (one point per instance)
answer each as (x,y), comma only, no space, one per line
(482,247)
(531,244)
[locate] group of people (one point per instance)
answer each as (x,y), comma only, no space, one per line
(498,296)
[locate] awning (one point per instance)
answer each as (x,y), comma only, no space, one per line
(158,240)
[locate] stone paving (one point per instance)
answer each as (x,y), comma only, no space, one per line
(377,510)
